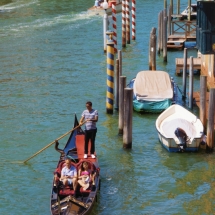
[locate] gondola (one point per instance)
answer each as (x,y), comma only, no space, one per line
(64,200)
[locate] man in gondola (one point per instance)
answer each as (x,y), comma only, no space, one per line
(90,116)
(69,174)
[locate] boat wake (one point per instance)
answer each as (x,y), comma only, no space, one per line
(69,21)
(15,5)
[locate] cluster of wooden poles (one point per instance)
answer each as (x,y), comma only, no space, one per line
(161,41)
(123,96)
(208,125)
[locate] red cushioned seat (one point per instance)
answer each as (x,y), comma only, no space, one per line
(66,191)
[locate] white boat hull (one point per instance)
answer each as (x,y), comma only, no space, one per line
(178,117)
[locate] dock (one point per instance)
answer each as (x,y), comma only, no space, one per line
(196,97)
(179,63)
(181,31)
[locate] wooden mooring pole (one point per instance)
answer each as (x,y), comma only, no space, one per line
(210,126)
(120,62)
(152,50)
(165,38)
(203,93)
(161,27)
(184,74)
(178,7)
(165,4)
(189,10)
(133,20)
(127,22)
(169,20)
(128,114)
(171,4)
(117,85)
(159,33)
(122,85)
(191,83)
(123,23)
(114,26)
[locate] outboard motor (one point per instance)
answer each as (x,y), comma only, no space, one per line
(203,139)
(183,138)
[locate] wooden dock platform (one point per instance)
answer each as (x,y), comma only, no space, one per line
(177,41)
(179,63)
(181,31)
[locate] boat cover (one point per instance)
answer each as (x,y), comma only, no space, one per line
(153,85)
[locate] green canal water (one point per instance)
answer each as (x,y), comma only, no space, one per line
(52,62)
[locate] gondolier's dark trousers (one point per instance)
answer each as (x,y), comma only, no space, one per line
(90,135)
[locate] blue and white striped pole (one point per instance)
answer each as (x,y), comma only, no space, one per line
(110,75)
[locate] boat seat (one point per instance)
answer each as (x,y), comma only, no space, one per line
(66,191)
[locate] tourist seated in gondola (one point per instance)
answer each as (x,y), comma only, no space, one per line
(86,176)
(69,174)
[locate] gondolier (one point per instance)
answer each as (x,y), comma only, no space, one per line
(90,116)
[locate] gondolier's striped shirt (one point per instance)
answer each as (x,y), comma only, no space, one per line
(90,115)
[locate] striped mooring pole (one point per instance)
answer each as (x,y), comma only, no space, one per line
(110,76)
(133,12)
(114,26)
(127,22)
(123,23)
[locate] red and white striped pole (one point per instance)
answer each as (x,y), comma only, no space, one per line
(133,11)
(123,24)
(114,26)
(127,22)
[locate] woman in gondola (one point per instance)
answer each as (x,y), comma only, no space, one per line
(86,176)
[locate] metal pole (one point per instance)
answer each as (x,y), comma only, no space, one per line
(105,28)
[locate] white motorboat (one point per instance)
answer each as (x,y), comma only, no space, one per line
(179,129)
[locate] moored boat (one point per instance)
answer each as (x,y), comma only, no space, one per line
(99,10)
(154,91)
(64,200)
(179,129)
(193,11)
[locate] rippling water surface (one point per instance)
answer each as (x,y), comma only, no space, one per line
(52,62)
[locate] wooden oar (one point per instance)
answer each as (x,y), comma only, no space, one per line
(53,142)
